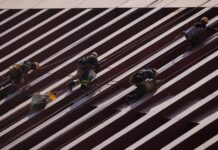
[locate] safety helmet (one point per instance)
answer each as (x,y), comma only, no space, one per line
(51,96)
(95,54)
(204,20)
(37,66)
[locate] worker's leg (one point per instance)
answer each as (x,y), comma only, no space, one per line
(135,95)
(192,43)
(89,75)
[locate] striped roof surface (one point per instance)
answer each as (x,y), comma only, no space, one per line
(181,114)
(104,3)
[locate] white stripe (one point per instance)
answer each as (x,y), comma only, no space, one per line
(153,112)
(208,143)
(158,38)
(27,32)
(42,36)
(85,37)
(173,121)
(64,130)
(100,58)
(59,39)
(18,123)
(64,64)
(13,16)
(104,55)
(101,126)
(104,124)
(186,54)
(87,116)
(14,110)
(3,11)
(171,46)
(47,120)
(193,131)
(101,28)
(67,78)
(67,34)
(82,119)
(23,22)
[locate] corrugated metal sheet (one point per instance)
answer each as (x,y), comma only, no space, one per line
(181,114)
(14,4)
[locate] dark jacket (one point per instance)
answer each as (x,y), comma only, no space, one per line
(141,75)
(21,70)
(89,62)
(195,31)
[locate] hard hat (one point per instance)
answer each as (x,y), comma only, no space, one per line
(95,54)
(52,96)
(204,20)
(37,65)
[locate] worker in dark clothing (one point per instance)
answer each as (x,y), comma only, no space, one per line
(18,74)
(39,101)
(87,68)
(143,74)
(193,34)
(145,82)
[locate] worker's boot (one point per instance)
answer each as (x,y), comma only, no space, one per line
(134,96)
(72,83)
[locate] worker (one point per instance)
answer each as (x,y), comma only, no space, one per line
(87,67)
(145,82)
(39,101)
(17,75)
(194,32)
(143,74)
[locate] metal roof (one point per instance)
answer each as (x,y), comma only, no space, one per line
(14,4)
(181,114)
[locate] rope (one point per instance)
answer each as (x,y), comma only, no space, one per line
(146,37)
(143,38)
(109,79)
(79,42)
(106,82)
(140,40)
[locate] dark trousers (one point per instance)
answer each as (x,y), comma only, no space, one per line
(135,95)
